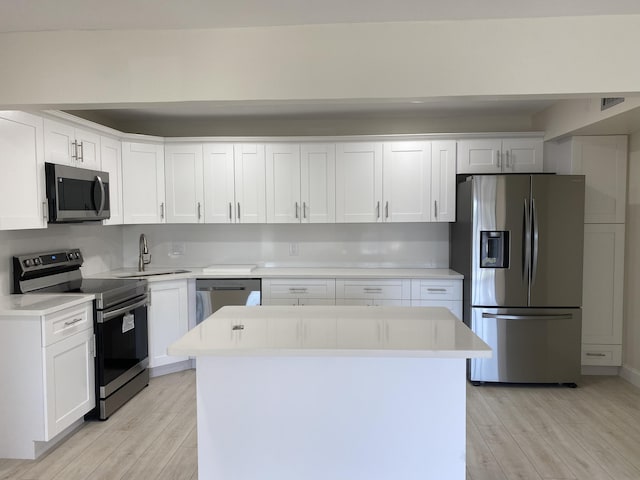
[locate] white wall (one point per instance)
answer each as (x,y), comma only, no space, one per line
(631,337)
(100,246)
(538,56)
(410,244)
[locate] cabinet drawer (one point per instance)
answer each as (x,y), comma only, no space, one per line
(608,355)
(382,289)
(299,288)
(422,289)
(64,323)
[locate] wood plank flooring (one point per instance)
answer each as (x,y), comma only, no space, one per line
(513,432)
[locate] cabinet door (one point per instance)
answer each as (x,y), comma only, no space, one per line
(318,183)
(603,278)
(59,144)
(88,148)
(70,381)
(184,184)
(168,319)
(603,160)
(219,190)
(522,155)
(143,183)
(479,156)
(249,170)
(407,181)
(443,181)
(22,196)
(358,182)
(283,183)
(111,158)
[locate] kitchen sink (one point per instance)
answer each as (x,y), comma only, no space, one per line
(149,274)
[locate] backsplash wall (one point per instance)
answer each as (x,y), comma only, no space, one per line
(408,244)
(101,247)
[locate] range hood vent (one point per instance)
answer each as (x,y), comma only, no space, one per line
(609,102)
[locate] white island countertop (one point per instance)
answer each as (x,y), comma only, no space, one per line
(332,331)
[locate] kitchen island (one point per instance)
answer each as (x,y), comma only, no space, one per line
(338,392)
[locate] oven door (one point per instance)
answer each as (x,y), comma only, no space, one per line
(122,349)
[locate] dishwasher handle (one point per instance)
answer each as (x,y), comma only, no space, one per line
(222,288)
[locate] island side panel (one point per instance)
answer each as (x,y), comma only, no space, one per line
(331,417)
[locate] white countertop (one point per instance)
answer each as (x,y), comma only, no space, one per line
(332,331)
(38,304)
(164,273)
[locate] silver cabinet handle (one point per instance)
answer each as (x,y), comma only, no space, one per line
(45,210)
(298,289)
(81,154)
(436,289)
(162,210)
(386,210)
(378,210)
(498,159)
(304,209)
(297,215)
(595,354)
(507,160)
(372,289)
(435,209)
(74,153)
(73,322)
(238,211)
(230,218)
(199,214)
(237,327)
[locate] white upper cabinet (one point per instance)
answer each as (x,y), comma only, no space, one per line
(183,168)
(495,155)
(603,160)
(284,204)
(22,192)
(407,182)
(359,182)
(111,158)
(318,183)
(300,183)
(69,145)
(443,181)
(219,189)
(143,176)
(249,175)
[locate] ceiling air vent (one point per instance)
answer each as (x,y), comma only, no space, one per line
(610,102)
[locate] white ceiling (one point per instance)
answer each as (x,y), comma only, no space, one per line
(48,15)
(40,15)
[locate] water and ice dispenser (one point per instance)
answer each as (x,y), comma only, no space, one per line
(494,249)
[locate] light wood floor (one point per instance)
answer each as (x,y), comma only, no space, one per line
(588,433)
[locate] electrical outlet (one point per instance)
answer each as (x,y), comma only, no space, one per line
(293,249)
(178,248)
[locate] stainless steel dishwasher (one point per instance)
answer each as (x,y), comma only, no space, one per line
(214,293)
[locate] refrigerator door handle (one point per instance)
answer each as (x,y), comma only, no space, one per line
(566,316)
(534,267)
(526,251)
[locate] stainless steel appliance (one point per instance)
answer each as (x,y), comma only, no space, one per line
(518,242)
(120,321)
(214,293)
(76,194)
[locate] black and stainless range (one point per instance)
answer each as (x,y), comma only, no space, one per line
(120,321)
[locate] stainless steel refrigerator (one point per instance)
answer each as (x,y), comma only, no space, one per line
(518,241)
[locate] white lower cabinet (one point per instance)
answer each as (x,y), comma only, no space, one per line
(294,291)
(392,292)
(48,377)
(437,293)
(168,319)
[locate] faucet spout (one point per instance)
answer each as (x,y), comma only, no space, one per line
(144,250)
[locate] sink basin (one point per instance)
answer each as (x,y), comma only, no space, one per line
(149,274)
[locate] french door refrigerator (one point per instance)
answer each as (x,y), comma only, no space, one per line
(518,241)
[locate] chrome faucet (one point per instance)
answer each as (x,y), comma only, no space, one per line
(144,250)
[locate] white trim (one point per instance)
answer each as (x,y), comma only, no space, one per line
(600,370)
(171,368)
(631,375)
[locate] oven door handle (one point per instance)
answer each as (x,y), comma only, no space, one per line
(103,317)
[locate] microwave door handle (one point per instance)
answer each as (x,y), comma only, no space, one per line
(101,208)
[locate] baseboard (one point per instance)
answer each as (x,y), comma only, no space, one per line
(631,375)
(600,370)
(171,368)
(40,448)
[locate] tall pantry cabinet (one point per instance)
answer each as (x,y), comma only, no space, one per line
(603,161)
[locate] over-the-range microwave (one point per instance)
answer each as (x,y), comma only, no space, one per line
(76,194)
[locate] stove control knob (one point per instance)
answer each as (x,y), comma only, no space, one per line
(37,261)
(27,262)
(76,255)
